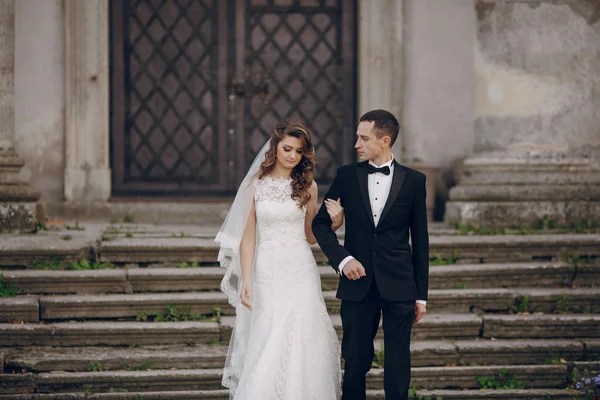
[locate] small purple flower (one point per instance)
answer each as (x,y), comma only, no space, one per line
(578,386)
(588,381)
(597,380)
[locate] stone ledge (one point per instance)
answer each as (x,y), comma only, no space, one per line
(20,308)
(108,334)
(547,300)
(24,249)
(541,326)
(48,359)
(137,381)
(532,376)
(18,383)
(130,305)
(55,282)
(494,352)
(181,279)
(506,214)
(529,394)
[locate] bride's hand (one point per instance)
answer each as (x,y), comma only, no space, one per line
(336,212)
(246,295)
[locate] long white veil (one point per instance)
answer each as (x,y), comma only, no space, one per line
(229,239)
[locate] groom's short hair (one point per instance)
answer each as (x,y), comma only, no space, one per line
(385,124)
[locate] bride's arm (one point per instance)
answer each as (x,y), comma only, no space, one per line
(248,246)
(310,213)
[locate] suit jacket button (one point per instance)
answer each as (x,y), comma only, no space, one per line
(374,254)
(374,235)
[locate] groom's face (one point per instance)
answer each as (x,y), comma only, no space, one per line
(368,146)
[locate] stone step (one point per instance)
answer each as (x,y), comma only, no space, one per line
(541,326)
(22,250)
(171,395)
(423,354)
(432,327)
(532,376)
(467,248)
(108,334)
(503,300)
(130,305)
(485,394)
(527,394)
(140,280)
(21,308)
(119,306)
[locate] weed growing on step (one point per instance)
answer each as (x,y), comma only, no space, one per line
(129,236)
(437,260)
(501,381)
(128,218)
(62,265)
(462,285)
(116,390)
(182,235)
(576,259)
(564,305)
(174,315)
(413,395)
(145,366)
(379,357)
(554,359)
(193,264)
(138,396)
(468,229)
(545,224)
(216,342)
(521,305)
(7,290)
(94,366)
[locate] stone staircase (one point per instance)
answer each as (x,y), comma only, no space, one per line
(504,311)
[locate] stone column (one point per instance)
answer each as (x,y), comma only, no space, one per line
(380,57)
(17,199)
(537,116)
(87,170)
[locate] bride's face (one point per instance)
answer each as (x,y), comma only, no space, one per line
(289,152)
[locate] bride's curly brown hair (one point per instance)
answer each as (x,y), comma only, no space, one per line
(303,173)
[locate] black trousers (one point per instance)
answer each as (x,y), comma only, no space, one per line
(360,321)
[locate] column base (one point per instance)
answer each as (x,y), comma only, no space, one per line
(513,189)
(18,200)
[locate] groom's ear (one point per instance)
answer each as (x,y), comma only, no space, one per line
(387,141)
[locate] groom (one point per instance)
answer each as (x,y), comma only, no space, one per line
(383,202)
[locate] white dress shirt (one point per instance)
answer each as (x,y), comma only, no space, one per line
(379,185)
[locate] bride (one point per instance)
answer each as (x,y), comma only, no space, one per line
(283,345)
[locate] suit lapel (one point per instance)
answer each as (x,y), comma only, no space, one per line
(397,181)
(363,185)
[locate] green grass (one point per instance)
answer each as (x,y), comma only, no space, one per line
(437,260)
(501,381)
(7,290)
(62,265)
(175,315)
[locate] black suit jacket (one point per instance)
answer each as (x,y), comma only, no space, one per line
(401,273)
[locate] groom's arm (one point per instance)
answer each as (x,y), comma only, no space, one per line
(420,240)
(321,227)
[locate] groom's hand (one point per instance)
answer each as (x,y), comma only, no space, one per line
(354,270)
(420,310)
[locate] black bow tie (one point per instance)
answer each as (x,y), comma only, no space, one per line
(384,170)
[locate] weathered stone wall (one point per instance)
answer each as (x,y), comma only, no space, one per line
(538,75)
(438,81)
(39,94)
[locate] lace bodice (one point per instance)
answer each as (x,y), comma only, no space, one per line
(278,216)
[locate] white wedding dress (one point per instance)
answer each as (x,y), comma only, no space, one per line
(293,351)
